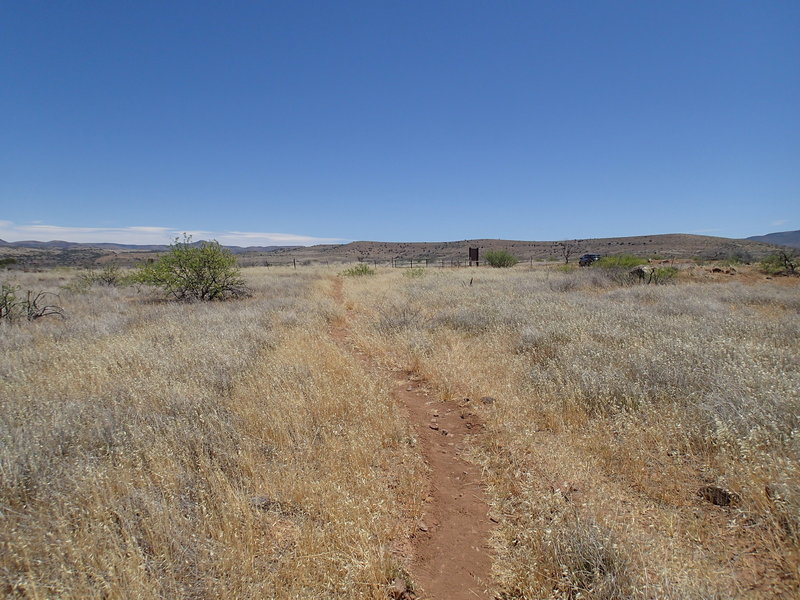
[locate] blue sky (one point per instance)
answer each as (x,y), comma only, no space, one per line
(297,122)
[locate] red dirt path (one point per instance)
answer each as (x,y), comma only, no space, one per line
(451,557)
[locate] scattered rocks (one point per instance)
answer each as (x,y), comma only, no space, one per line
(262,502)
(488,400)
(399,590)
(422,526)
(716,270)
(718,496)
(434,426)
(565,489)
(445,432)
(643,272)
(409,388)
(267,504)
(494,517)
(778,492)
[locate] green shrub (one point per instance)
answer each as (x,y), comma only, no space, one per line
(500,258)
(358,270)
(414,273)
(7,262)
(782,263)
(623,261)
(8,302)
(110,275)
(664,274)
(194,272)
(737,257)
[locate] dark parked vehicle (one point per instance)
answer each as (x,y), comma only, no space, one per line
(588,259)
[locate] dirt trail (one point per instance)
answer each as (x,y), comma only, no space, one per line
(451,558)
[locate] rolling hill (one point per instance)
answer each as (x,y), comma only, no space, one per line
(32,254)
(782,238)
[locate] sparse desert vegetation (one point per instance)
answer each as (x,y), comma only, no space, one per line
(619,412)
(151,449)
(637,441)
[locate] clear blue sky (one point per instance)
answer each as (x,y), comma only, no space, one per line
(126,121)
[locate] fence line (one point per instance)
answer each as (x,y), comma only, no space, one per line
(395,263)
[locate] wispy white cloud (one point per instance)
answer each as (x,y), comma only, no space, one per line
(12,232)
(779,222)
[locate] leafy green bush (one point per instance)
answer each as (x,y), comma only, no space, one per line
(664,274)
(358,270)
(782,263)
(500,258)
(6,262)
(623,261)
(194,272)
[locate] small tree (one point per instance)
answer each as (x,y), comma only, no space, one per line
(110,276)
(783,263)
(194,272)
(568,249)
(500,258)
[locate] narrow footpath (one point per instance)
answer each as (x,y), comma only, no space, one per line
(451,555)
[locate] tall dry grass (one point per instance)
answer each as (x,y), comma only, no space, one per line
(224,450)
(616,406)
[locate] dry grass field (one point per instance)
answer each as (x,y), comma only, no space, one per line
(227,450)
(641,441)
(617,409)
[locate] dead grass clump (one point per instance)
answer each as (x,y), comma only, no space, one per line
(542,346)
(585,560)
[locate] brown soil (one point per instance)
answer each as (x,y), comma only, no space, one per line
(450,544)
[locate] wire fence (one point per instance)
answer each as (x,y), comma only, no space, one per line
(394,263)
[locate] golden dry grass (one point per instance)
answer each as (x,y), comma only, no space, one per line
(227,450)
(615,406)
(232,450)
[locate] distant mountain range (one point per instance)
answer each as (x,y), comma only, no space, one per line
(34,254)
(62,245)
(781,238)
